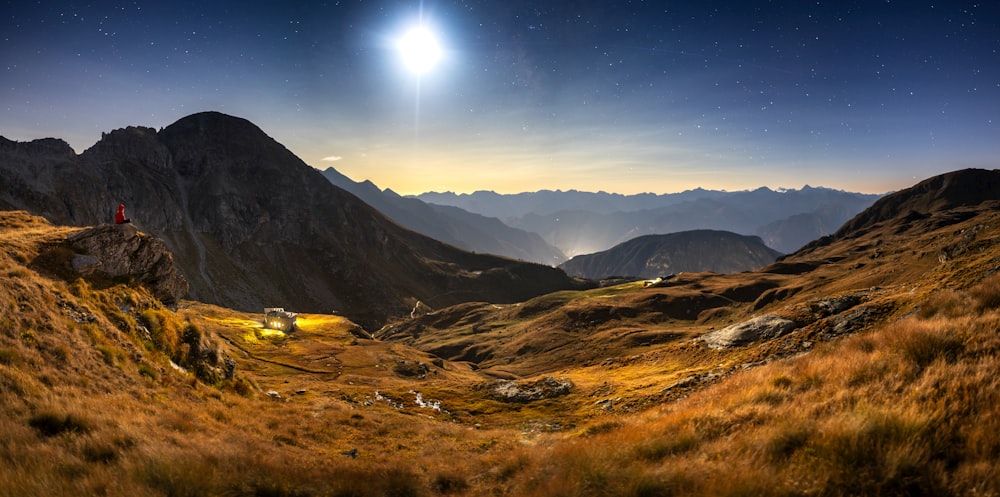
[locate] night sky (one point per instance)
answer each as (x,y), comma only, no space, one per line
(622,97)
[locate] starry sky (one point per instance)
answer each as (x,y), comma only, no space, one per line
(617,96)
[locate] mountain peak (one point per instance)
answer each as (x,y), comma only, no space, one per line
(946,191)
(215,127)
(213,119)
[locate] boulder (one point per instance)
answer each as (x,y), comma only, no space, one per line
(759,328)
(121,251)
(545,388)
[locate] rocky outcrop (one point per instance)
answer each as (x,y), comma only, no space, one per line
(759,328)
(207,357)
(121,251)
(545,388)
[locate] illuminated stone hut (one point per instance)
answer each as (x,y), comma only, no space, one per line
(276,318)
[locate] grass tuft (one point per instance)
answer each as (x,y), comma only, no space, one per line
(52,423)
(986,295)
(923,342)
(449,483)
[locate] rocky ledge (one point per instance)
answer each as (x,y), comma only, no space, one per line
(121,251)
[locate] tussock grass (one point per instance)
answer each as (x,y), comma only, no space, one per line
(92,407)
(909,409)
(51,423)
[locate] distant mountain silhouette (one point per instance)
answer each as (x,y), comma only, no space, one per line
(251,225)
(545,202)
(650,256)
(452,225)
(582,223)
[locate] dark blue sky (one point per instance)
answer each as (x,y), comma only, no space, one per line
(616,96)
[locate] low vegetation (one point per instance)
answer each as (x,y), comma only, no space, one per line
(97,398)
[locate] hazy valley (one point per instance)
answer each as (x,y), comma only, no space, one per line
(133,360)
(583,223)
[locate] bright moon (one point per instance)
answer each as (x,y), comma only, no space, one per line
(419,50)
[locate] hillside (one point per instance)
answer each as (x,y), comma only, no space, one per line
(862,365)
(847,283)
(651,256)
(252,226)
(452,225)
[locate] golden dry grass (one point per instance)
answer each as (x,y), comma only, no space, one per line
(91,406)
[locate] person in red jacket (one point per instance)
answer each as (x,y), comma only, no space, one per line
(120,215)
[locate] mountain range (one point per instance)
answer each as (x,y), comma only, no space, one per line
(253,226)
(584,223)
(452,225)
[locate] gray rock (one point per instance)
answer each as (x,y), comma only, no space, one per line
(121,251)
(545,388)
(759,328)
(852,321)
(85,264)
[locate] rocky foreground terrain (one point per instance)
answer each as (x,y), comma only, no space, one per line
(863,364)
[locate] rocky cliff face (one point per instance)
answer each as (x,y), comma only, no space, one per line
(120,251)
(253,226)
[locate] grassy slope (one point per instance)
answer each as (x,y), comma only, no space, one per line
(907,405)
